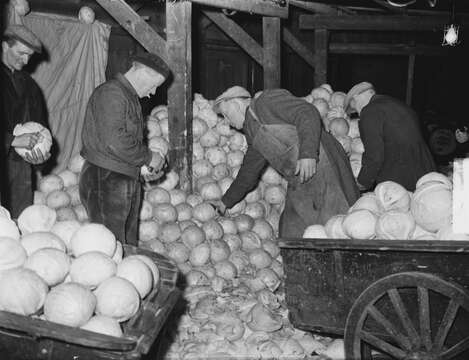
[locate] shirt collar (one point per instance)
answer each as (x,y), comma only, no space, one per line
(123,80)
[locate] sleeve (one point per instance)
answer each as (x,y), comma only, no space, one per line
(111,111)
(303,115)
(247,179)
(371,133)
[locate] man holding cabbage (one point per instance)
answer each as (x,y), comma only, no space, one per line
(21,102)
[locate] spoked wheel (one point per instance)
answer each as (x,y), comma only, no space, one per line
(409,316)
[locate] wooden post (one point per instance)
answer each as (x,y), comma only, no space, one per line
(179,48)
(410,79)
(271,58)
(321,45)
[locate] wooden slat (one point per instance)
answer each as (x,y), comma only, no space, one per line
(260,7)
(237,33)
(447,246)
(136,26)
(271,34)
(410,79)
(46,329)
(320,8)
(179,40)
(321,46)
(303,51)
(372,22)
(386,49)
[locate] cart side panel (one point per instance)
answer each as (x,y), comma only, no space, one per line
(321,286)
(313,299)
(16,346)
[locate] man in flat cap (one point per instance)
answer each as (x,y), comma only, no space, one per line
(21,100)
(114,148)
(286,132)
(395,149)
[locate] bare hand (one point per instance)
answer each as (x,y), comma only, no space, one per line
(149,175)
(36,157)
(27,141)
(305,168)
(157,161)
(219,206)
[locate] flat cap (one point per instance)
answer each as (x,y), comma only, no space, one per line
(355,90)
(233,92)
(22,34)
(154,62)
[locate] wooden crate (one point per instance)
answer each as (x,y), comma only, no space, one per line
(324,277)
(27,338)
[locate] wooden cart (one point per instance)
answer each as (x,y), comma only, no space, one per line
(26,338)
(400,299)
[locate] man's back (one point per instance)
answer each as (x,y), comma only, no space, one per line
(390,129)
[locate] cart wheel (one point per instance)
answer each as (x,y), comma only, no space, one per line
(409,316)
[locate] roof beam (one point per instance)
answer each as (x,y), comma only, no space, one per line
(385,49)
(237,33)
(136,26)
(320,8)
(372,22)
(275,8)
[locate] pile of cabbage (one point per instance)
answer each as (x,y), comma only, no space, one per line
(393,213)
(70,273)
(330,105)
(231,264)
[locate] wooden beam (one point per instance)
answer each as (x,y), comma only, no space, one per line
(303,51)
(276,8)
(179,40)
(321,46)
(320,8)
(372,22)
(410,79)
(237,33)
(386,49)
(271,34)
(136,26)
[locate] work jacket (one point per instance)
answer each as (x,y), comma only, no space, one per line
(272,132)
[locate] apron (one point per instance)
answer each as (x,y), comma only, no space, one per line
(314,201)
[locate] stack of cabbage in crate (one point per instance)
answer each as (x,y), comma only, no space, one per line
(70,273)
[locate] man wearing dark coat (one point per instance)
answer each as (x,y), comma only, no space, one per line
(286,132)
(390,131)
(21,101)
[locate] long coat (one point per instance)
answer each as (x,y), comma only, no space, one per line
(280,129)
(394,146)
(21,100)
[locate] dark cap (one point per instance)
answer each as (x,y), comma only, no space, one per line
(154,62)
(24,35)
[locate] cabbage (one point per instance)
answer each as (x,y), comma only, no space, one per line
(23,291)
(92,268)
(117,298)
(103,325)
(50,264)
(69,304)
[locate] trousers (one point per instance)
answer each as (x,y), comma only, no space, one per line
(17,187)
(111,199)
